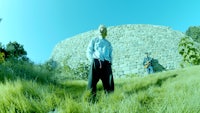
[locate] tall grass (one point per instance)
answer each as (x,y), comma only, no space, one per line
(14,69)
(168,92)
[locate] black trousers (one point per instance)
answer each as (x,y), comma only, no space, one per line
(101,70)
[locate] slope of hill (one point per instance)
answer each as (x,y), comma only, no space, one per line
(174,91)
(129,42)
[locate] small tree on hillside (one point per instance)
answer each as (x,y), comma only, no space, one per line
(190,50)
(194,33)
(16,51)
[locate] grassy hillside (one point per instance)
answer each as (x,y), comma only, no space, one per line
(35,91)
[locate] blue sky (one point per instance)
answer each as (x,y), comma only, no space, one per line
(40,24)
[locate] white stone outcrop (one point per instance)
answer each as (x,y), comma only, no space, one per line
(129,42)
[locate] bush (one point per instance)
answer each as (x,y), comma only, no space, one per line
(50,65)
(2,53)
(2,57)
(82,71)
(194,33)
(66,72)
(190,51)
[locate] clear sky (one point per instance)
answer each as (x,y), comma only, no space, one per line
(40,24)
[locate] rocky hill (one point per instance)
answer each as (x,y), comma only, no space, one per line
(129,42)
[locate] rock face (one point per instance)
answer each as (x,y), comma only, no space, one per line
(129,42)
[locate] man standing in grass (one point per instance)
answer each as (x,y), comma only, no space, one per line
(148,63)
(99,52)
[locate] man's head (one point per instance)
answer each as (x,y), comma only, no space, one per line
(147,54)
(103,31)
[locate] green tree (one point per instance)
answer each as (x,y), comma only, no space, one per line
(194,33)
(16,51)
(190,50)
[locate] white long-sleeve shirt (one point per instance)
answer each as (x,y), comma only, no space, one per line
(99,48)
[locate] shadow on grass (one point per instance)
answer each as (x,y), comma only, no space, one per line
(157,83)
(161,80)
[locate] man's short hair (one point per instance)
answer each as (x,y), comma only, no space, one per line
(102,28)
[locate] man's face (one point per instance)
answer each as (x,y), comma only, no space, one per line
(103,32)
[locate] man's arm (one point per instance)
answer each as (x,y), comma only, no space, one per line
(90,50)
(111,49)
(144,62)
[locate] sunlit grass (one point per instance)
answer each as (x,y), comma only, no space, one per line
(174,91)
